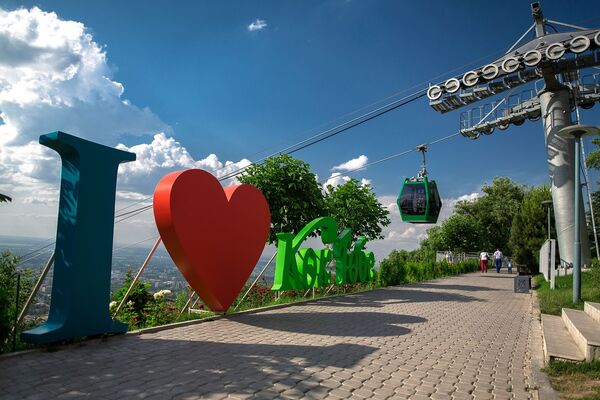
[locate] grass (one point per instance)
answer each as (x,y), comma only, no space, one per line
(579,381)
(553,301)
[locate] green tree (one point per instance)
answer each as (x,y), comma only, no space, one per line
(459,233)
(434,241)
(495,211)
(590,226)
(4,198)
(356,207)
(462,233)
(593,158)
(529,228)
(8,291)
(291,189)
(593,161)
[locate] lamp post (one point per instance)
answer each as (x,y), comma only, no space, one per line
(577,132)
(548,205)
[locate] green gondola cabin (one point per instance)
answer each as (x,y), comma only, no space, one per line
(419,201)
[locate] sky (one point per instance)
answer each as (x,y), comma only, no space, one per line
(216,85)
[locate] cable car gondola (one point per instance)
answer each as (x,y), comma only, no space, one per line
(419,201)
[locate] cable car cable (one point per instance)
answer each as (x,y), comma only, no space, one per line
(141,209)
(402,153)
(447,73)
(342,128)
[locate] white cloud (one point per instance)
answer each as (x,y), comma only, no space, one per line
(351,165)
(402,235)
(335,180)
(54,76)
(257,25)
(469,197)
(338,179)
(408,233)
(365,182)
(163,155)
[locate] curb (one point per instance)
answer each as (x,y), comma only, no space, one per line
(544,389)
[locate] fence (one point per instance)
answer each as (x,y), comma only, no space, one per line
(454,258)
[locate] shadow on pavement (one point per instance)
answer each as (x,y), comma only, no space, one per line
(356,324)
(466,288)
(138,367)
(398,295)
(500,275)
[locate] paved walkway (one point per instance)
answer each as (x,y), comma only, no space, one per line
(457,338)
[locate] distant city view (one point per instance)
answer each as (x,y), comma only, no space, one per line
(161,272)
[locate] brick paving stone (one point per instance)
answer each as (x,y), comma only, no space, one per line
(458,338)
(461,396)
(440,396)
(341,393)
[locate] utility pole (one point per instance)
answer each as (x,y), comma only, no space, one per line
(552,58)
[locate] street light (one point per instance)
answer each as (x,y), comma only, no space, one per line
(577,132)
(548,205)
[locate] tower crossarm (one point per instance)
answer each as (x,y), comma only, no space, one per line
(546,55)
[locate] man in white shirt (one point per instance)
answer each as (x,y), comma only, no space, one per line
(498,260)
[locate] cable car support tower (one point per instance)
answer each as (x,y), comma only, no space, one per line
(554,60)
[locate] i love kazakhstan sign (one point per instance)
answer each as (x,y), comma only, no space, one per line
(214,235)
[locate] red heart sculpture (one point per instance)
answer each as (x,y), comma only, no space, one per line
(214,235)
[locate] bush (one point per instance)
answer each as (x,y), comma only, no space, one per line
(8,288)
(396,269)
(133,312)
(5,317)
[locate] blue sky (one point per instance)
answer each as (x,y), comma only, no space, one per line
(195,71)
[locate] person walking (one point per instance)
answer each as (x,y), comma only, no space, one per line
(483,259)
(498,260)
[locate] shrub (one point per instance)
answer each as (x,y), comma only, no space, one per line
(396,269)
(5,316)
(8,287)
(133,312)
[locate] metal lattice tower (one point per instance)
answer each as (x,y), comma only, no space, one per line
(553,60)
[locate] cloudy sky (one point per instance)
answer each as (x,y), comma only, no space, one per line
(217,85)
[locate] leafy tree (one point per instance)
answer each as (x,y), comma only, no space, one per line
(593,158)
(529,227)
(291,189)
(462,233)
(596,208)
(8,290)
(495,211)
(593,161)
(434,241)
(356,207)
(4,198)
(459,233)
